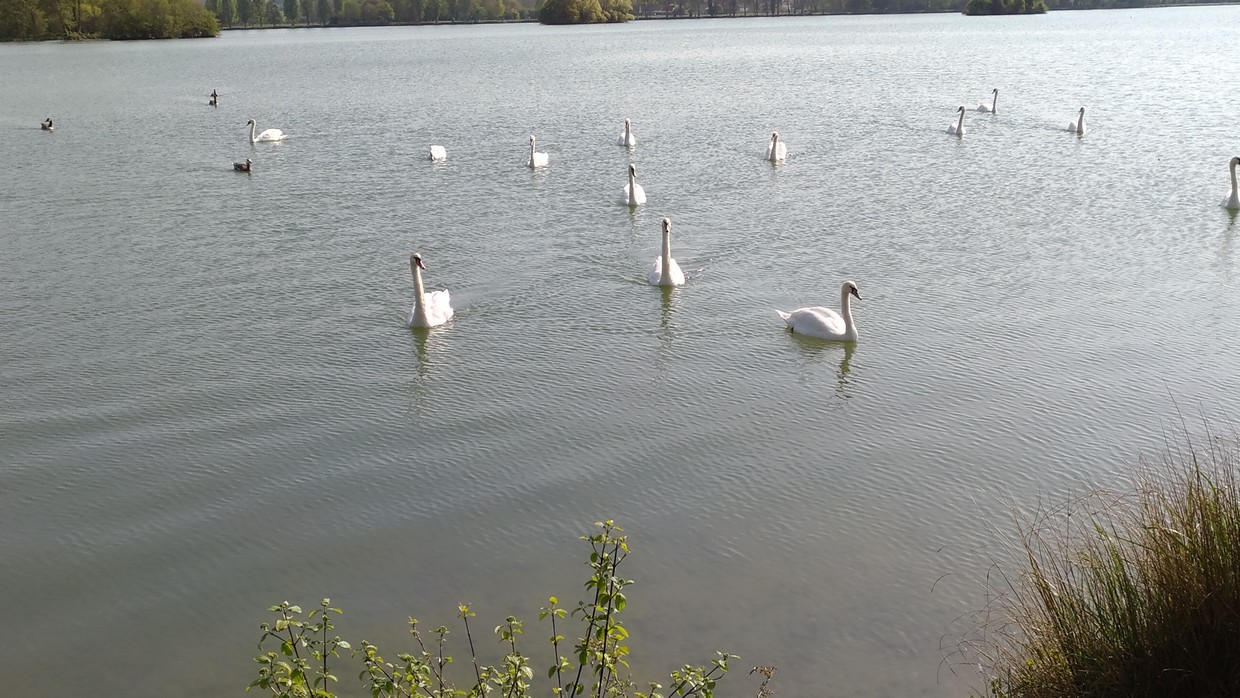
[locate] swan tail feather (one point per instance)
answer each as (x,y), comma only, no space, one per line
(786,316)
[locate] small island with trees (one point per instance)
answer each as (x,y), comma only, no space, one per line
(1005,7)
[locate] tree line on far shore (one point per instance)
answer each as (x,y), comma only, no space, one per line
(28,20)
(31,20)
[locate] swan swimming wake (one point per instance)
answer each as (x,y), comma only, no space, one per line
(1232,200)
(957,129)
(665,271)
(1078,126)
(438,153)
(271,134)
(777,150)
(825,323)
(627,139)
(633,194)
(537,159)
(994,105)
(429,309)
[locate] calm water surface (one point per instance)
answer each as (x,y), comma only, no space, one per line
(211,402)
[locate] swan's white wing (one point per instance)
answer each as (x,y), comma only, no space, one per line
(985,109)
(438,152)
(635,198)
(438,306)
(271,134)
(816,322)
(781,150)
(630,141)
(655,277)
(676,275)
(1232,200)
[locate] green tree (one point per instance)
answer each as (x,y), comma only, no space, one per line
(226,11)
(571,12)
(291,9)
(274,14)
(323,9)
(244,9)
(21,20)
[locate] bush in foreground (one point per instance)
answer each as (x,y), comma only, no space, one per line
(1140,598)
(307,648)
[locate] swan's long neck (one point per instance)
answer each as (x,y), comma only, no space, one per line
(1232,166)
(531,150)
(994,104)
(1080,122)
(419,303)
(253,127)
(849,330)
(774,145)
(632,184)
(665,275)
(628,131)
(959,127)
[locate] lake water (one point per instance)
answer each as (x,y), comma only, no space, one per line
(211,402)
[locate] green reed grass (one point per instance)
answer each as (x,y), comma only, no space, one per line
(1130,595)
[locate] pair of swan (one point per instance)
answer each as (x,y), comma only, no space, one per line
(777,150)
(537,159)
(242,166)
(825,323)
(633,194)
(994,104)
(271,134)
(957,129)
(1078,126)
(627,139)
(429,309)
(1232,200)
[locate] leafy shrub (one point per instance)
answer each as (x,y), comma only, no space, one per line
(301,668)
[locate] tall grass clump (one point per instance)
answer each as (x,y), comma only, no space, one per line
(1130,595)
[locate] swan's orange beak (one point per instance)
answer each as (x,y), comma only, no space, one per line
(419,263)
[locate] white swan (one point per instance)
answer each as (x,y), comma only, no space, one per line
(633,194)
(666,272)
(271,134)
(957,129)
(1078,126)
(429,309)
(777,150)
(825,323)
(627,138)
(537,159)
(994,105)
(1232,200)
(438,153)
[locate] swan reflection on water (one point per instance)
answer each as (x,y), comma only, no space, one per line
(817,354)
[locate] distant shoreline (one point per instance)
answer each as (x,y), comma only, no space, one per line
(532,20)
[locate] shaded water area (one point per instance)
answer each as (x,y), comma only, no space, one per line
(211,402)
